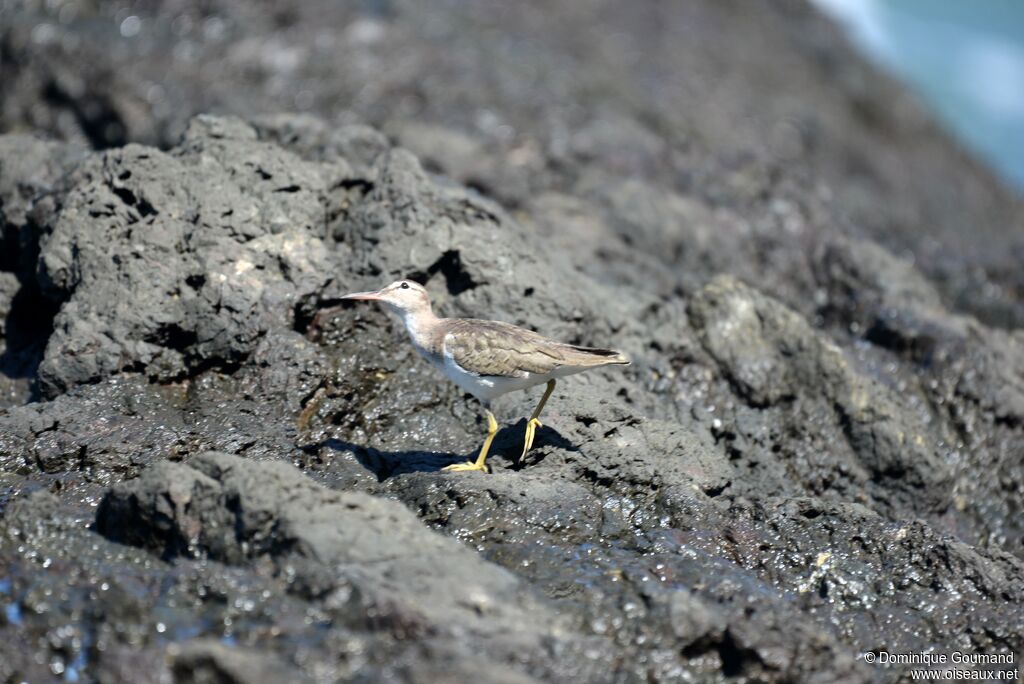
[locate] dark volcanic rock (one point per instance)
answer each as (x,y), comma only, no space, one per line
(368,558)
(186,235)
(210,661)
(773,358)
(32,171)
(747,501)
(780,126)
(227,476)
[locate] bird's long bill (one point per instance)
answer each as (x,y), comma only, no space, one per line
(373,296)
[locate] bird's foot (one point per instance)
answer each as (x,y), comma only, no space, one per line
(531,428)
(479,463)
(468,465)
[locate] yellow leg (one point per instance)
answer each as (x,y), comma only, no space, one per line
(492,429)
(534,422)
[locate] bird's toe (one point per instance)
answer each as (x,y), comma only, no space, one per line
(531,429)
(463,467)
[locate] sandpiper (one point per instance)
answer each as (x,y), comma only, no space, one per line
(487,358)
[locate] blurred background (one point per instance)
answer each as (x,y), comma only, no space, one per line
(764,110)
(964,59)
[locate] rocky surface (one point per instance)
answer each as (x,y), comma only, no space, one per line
(211,472)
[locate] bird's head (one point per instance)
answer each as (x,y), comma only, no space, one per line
(404,297)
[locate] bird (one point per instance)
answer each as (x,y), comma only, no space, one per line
(486,358)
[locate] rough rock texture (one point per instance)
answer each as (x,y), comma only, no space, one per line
(366,558)
(174,277)
(211,472)
(31,171)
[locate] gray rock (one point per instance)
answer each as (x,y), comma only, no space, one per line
(971,374)
(225,508)
(821,462)
(731,449)
(30,167)
(205,662)
(212,247)
(771,356)
(32,173)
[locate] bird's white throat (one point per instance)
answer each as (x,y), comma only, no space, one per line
(419,325)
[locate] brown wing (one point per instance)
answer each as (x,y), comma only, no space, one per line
(500,349)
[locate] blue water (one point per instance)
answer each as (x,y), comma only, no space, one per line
(965,60)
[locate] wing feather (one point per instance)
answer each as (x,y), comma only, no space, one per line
(499,349)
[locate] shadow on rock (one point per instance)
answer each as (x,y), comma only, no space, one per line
(26,326)
(505,450)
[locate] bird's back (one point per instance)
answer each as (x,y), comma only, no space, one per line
(494,348)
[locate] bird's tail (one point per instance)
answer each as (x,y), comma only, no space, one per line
(592,356)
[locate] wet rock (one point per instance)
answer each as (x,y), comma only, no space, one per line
(203,662)
(823,461)
(132,625)
(732,449)
(233,510)
(101,435)
(807,541)
(970,375)
(771,356)
(693,622)
(885,299)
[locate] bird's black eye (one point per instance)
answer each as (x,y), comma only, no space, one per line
(404,286)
